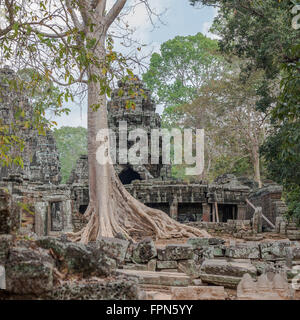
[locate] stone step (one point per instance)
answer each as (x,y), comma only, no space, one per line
(175,279)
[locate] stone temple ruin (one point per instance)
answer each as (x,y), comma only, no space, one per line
(220,206)
(41,263)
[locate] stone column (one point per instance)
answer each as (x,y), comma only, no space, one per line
(205,212)
(67,211)
(241,212)
(257,220)
(174,209)
(41,211)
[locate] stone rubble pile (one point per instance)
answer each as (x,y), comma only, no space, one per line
(112,268)
(51,268)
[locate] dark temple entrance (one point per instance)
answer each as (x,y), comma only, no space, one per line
(227,212)
(128,175)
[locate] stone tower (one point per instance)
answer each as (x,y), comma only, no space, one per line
(40,155)
(143,116)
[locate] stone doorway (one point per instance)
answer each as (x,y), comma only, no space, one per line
(189,212)
(227,212)
(56,216)
(128,175)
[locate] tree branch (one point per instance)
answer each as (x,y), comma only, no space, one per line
(74,17)
(114,12)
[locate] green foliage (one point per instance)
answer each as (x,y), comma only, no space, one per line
(71,143)
(282,152)
(261,32)
(183,65)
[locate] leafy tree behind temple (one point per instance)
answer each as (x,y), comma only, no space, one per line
(71,143)
(184,64)
(262,32)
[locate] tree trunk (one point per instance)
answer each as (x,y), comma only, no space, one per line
(112,209)
(256,165)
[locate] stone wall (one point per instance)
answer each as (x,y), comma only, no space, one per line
(269,199)
(241,229)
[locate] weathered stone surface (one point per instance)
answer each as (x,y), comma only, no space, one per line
(190,268)
(220,280)
(91,259)
(272,287)
(198,293)
(158,278)
(151,265)
(154,295)
(29,272)
(2,278)
(208,252)
(144,251)
(296,253)
(225,273)
(106,265)
(5,244)
(136,266)
(198,242)
(197,282)
(274,250)
(166,264)
(176,252)
(114,248)
(243,252)
(223,267)
(219,251)
(264,266)
(203,242)
(5,219)
(115,289)
(56,245)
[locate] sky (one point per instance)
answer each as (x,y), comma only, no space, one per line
(179,19)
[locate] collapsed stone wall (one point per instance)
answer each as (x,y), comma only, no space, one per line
(111,268)
(44,268)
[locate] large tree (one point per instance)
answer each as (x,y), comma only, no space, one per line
(68,42)
(225,107)
(183,65)
(267,34)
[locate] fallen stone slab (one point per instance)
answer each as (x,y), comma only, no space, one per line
(225,273)
(273,250)
(198,293)
(190,268)
(176,252)
(224,267)
(166,264)
(88,260)
(29,272)
(158,278)
(203,242)
(114,289)
(225,281)
(113,247)
(243,252)
(135,266)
